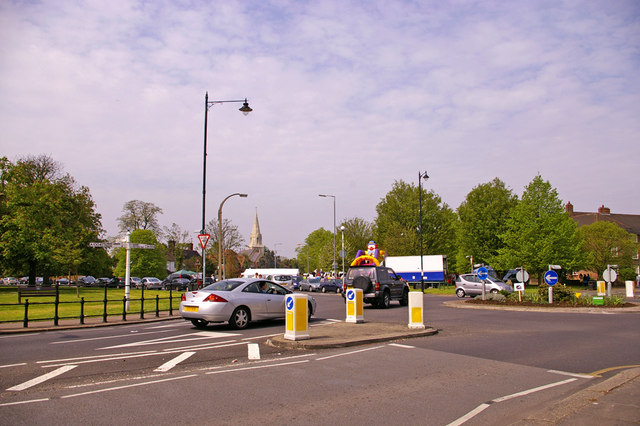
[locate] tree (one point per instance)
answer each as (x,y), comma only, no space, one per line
(540,233)
(139,215)
(178,240)
(144,262)
(231,240)
(397,223)
(317,251)
(605,244)
(357,233)
(43,217)
(483,218)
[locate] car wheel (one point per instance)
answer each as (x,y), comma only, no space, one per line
(363,283)
(460,293)
(239,318)
(199,323)
(309,312)
(494,291)
(324,289)
(386,300)
(405,298)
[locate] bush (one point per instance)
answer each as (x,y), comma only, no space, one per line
(561,293)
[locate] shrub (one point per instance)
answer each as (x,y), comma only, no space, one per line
(561,293)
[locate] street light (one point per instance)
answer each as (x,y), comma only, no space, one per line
(275,254)
(220,262)
(420,177)
(207,103)
(334,265)
(343,254)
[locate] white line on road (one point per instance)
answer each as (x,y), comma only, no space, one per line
(257,367)
(566,373)
(479,409)
(262,337)
(348,353)
(108,337)
(13,365)
(43,378)
(183,338)
(6,404)
(175,361)
(398,345)
(530,391)
(127,386)
(253,351)
(78,359)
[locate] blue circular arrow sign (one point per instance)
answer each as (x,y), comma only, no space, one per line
(289,303)
(351,294)
(483,273)
(551,278)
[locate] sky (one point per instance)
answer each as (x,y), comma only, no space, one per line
(347,97)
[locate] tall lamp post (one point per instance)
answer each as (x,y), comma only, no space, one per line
(220,262)
(420,177)
(275,254)
(207,104)
(334,266)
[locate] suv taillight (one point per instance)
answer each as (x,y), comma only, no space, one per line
(183,297)
(377,285)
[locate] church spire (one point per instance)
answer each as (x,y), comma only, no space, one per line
(255,240)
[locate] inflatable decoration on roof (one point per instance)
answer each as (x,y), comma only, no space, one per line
(373,256)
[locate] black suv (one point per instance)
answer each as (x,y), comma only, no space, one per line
(379,285)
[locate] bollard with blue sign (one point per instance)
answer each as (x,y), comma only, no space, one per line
(354,304)
(551,278)
(416,304)
(297,318)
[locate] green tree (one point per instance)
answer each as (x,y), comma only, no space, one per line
(139,215)
(540,233)
(483,217)
(318,250)
(44,215)
(144,262)
(357,233)
(397,223)
(231,240)
(178,240)
(605,244)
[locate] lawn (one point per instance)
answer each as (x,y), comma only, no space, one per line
(70,297)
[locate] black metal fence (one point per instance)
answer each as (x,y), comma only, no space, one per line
(105,303)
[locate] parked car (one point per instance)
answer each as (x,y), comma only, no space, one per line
(62,281)
(86,281)
(101,282)
(330,284)
(310,284)
(296,281)
(176,281)
(10,281)
(135,282)
(151,283)
(283,280)
(471,285)
(380,285)
(237,301)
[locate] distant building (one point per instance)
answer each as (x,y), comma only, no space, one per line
(256,249)
(628,222)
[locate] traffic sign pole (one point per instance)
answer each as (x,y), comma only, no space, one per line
(483,273)
(551,278)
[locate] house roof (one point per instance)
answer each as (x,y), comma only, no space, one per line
(628,222)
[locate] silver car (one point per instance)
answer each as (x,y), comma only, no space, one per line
(471,285)
(310,284)
(237,301)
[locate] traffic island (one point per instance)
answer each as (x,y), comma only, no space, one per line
(343,334)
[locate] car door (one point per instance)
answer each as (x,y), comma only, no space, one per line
(275,300)
(255,299)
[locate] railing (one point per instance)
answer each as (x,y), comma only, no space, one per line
(105,302)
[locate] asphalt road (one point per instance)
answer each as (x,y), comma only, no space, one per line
(497,365)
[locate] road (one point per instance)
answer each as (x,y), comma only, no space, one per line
(486,366)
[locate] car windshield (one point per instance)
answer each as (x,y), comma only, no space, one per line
(282,277)
(225,285)
(314,280)
(495,280)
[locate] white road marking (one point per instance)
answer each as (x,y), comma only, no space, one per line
(566,373)
(183,338)
(6,404)
(257,367)
(80,359)
(107,337)
(479,409)
(348,353)
(398,345)
(43,378)
(530,391)
(262,337)
(127,386)
(13,365)
(253,351)
(175,361)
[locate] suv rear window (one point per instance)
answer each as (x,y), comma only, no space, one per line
(361,272)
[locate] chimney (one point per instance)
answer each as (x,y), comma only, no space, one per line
(568,208)
(604,210)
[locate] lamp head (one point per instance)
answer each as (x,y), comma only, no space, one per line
(243,195)
(245,109)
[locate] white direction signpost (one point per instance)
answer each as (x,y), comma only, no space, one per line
(483,273)
(610,275)
(127,274)
(522,276)
(551,278)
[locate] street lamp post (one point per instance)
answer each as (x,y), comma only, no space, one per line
(275,254)
(420,177)
(221,270)
(207,104)
(343,254)
(334,266)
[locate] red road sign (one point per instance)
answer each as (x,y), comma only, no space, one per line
(204,239)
